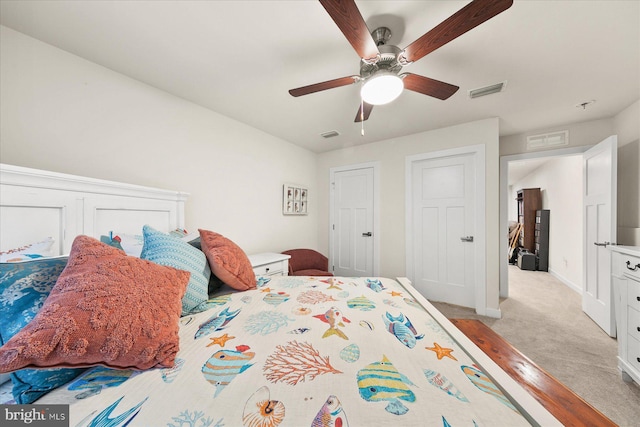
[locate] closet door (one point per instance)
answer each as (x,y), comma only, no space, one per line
(443,229)
(353,233)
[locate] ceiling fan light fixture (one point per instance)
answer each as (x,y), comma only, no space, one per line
(381,88)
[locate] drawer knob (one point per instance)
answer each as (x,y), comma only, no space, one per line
(638,359)
(638,298)
(267,269)
(635,267)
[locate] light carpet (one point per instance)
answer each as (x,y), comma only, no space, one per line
(543,319)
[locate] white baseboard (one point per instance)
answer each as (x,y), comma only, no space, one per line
(493,312)
(569,283)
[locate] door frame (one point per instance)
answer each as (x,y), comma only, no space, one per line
(504,204)
(480,241)
(376,209)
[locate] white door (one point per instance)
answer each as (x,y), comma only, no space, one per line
(600,190)
(443,210)
(352,228)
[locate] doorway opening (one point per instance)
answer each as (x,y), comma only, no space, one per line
(519,170)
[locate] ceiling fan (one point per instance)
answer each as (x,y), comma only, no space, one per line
(381,63)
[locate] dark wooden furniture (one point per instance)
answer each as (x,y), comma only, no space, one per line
(542,239)
(529,201)
(569,408)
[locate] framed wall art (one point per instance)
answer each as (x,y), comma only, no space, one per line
(294,199)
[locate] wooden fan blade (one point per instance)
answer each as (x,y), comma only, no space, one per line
(329,84)
(427,86)
(467,18)
(363,114)
(347,17)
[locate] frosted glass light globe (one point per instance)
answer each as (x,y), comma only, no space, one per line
(381,89)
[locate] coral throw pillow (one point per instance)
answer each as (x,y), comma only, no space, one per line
(227,261)
(106,308)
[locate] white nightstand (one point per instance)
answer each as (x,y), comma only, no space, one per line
(270,264)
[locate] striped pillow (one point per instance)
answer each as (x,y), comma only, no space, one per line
(173,252)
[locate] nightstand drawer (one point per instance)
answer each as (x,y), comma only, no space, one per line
(270,270)
(270,264)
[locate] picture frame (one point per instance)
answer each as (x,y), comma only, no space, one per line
(294,199)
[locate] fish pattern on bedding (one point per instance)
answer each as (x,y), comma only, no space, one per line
(301,351)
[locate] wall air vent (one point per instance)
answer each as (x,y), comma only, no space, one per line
(487,90)
(548,140)
(329,134)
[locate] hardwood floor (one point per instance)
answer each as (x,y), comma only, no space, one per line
(569,408)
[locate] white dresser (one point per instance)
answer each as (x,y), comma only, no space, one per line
(270,264)
(625,269)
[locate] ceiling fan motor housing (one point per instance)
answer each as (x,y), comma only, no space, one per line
(387,61)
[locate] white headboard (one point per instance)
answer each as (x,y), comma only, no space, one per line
(36,204)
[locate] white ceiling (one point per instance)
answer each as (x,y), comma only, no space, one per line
(239,58)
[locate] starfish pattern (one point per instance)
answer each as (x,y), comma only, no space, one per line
(265,290)
(333,283)
(395,294)
(221,340)
(441,351)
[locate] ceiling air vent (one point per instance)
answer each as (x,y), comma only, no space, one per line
(548,140)
(329,134)
(487,90)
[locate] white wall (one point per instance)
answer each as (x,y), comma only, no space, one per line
(560,182)
(627,127)
(391,155)
(62,113)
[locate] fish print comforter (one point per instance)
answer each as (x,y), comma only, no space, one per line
(300,351)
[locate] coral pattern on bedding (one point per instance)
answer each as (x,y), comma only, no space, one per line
(328,353)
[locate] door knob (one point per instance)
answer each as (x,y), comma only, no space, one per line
(367,234)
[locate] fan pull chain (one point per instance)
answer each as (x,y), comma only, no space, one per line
(362,116)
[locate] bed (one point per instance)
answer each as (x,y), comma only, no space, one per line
(290,351)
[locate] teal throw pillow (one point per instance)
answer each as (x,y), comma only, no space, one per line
(170,251)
